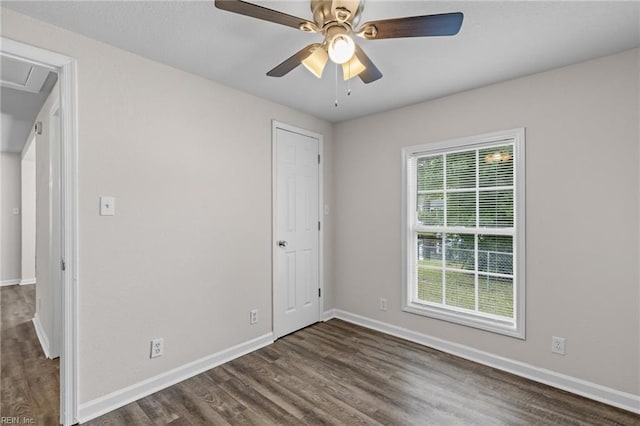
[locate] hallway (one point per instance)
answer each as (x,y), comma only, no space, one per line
(29,382)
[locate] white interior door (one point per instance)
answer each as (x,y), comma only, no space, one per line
(296,284)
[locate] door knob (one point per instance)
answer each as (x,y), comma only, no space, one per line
(282,243)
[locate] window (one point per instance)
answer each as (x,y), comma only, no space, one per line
(464,239)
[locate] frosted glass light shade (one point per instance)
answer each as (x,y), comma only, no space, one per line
(352,68)
(316,61)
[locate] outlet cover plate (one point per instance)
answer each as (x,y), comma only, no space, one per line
(383,304)
(557,345)
(157,347)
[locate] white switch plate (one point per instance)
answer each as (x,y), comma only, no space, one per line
(107,206)
(16,210)
(326,209)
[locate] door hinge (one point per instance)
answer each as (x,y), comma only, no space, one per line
(63,265)
(318,225)
(319,293)
(318,158)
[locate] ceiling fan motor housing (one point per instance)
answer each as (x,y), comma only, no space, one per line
(339,11)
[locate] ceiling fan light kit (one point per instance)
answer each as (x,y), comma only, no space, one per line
(335,20)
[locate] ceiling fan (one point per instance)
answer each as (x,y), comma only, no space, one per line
(336,20)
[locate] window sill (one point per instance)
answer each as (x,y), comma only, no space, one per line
(506,328)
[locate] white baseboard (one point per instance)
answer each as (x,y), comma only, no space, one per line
(99,406)
(626,401)
(27,281)
(42,336)
(9,282)
(327,315)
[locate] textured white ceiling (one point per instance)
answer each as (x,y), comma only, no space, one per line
(498,41)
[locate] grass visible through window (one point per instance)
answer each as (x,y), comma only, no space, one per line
(495,295)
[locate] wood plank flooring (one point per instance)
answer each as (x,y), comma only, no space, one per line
(330,373)
(29,382)
(343,374)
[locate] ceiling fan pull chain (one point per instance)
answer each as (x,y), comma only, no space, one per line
(349,80)
(336,101)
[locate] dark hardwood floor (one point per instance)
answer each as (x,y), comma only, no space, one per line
(330,373)
(29,385)
(339,373)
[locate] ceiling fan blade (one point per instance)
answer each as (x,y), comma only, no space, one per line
(370,73)
(445,24)
(289,64)
(260,12)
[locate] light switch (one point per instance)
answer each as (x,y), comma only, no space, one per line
(107,206)
(326,209)
(16,211)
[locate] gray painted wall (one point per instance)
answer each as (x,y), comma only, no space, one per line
(28,187)
(582,195)
(10,223)
(188,253)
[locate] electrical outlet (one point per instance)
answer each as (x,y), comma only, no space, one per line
(156,348)
(253,316)
(557,345)
(383,304)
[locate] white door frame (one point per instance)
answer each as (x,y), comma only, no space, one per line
(274,205)
(67,80)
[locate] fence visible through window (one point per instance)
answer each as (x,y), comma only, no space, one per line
(497,262)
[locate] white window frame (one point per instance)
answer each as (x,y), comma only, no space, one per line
(515,328)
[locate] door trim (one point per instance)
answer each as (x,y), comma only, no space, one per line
(274,204)
(67,80)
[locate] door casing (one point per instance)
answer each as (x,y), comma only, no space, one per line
(67,80)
